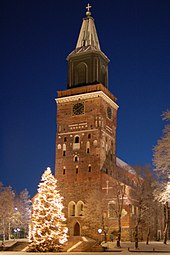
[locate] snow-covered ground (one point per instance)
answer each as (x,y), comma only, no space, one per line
(158,246)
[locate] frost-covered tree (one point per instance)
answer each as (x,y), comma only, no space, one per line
(6,209)
(161,160)
(119,189)
(161,156)
(142,199)
(48,231)
(94,217)
(22,212)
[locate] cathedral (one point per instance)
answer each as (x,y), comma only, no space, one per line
(91,178)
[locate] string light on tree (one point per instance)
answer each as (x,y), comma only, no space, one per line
(48,231)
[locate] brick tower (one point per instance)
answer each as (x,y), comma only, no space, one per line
(86,126)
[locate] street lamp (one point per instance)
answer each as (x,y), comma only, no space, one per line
(100,232)
(16,232)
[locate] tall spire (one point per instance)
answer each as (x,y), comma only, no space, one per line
(87,64)
(88,34)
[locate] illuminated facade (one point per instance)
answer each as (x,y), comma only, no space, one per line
(86,138)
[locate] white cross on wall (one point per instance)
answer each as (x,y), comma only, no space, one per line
(107,187)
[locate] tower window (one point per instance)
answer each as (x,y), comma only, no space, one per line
(64,170)
(81,73)
(76,144)
(89,136)
(75,158)
(88,147)
(64,149)
(59,146)
(77,169)
(95,143)
(74,209)
(65,139)
(77,139)
(80,208)
(71,208)
(89,168)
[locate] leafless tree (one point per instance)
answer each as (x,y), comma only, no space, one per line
(142,197)
(22,211)
(161,160)
(94,215)
(6,209)
(119,191)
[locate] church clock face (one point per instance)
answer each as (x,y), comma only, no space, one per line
(109,112)
(78,109)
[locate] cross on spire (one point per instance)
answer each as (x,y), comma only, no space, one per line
(88,7)
(107,187)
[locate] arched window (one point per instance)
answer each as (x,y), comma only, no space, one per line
(89,168)
(77,169)
(64,170)
(59,146)
(88,147)
(95,143)
(80,208)
(76,144)
(76,158)
(71,208)
(77,229)
(64,149)
(81,73)
(104,76)
(111,210)
(77,139)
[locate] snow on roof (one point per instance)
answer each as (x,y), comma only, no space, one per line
(124,165)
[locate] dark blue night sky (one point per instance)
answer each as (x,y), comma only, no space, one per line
(35,38)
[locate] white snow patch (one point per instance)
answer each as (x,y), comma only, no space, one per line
(124,165)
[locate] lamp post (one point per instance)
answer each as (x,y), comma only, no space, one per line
(16,233)
(100,232)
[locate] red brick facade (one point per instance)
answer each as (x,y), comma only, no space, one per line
(86,140)
(86,153)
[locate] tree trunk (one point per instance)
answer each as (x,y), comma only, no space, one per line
(9,231)
(119,232)
(136,237)
(3,232)
(148,235)
(105,236)
(165,234)
(166,224)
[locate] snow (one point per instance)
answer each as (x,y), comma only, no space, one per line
(124,165)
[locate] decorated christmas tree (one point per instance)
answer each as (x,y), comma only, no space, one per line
(48,231)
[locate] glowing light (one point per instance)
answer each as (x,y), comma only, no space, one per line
(48,230)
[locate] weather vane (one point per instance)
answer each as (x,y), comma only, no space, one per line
(88,13)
